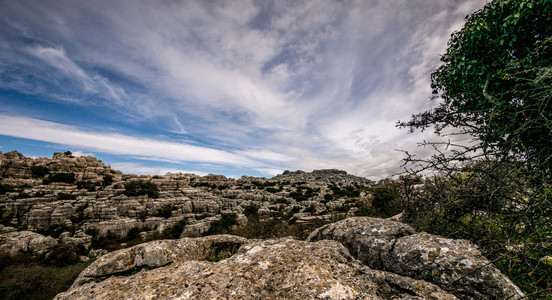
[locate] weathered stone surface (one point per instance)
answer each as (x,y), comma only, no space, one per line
(367,238)
(272,269)
(13,243)
(455,265)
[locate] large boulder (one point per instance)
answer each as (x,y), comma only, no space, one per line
(273,269)
(367,238)
(456,266)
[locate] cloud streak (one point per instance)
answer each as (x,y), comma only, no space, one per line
(254,84)
(118,144)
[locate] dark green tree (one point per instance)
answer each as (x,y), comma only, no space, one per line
(494,87)
(141,187)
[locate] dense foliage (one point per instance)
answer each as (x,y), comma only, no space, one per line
(141,187)
(495,87)
(495,84)
(60,177)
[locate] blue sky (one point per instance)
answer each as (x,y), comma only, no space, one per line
(224,87)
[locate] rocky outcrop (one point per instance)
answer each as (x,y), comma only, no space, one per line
(13,243)
(457,266)
(75,199)
(271,269)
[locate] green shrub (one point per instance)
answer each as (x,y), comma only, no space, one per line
(22,279)
(386,201)
(282,200)
(88,185)
(107,180)
(60,177)
(311,209)
(175,231)
(202,216)
(5,189)
(141,187)
(223,225)
(251,210)
(295,209)
(273,190)
(93,232)
(64,196)
(165,211)
(39,171)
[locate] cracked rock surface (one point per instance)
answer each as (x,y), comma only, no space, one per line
(271,269)
(457,266)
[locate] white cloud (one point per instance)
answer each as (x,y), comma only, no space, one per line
(115,143)
(290,84)
(134,168)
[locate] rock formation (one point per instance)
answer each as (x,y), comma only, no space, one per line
(79,203)
(456,266)
(388,261)
(271,269)
(79,200)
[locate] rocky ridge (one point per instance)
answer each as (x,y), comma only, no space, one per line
(76,201)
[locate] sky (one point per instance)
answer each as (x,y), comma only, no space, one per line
(223,87)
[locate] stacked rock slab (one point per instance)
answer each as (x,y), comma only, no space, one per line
(457,266)
(95,202)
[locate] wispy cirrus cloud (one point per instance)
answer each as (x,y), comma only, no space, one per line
(142,148)
(260,84)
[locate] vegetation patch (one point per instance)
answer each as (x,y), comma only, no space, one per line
(60,177)
(141,187)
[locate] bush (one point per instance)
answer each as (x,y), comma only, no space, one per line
(175,231)
(273,190)
(223,225)
(88,185)
(251,210)
(39,171)
(64,196)
(5,189)
(60,177)
(311,209)
(386,200)
(141,187)
(21,279)
(282,200)
(107,180)
(165,211)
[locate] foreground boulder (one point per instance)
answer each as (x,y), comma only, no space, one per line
(457,266)
(357,258)
(271,269)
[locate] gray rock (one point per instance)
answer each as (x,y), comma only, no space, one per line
(367,238)
(272,269)
(456,266)
(13,243)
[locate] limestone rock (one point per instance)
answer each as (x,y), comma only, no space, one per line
(271,269)
(455,265)
(13,243)
(367,238)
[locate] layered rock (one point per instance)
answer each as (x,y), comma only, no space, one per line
(457,266)
(61,196)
